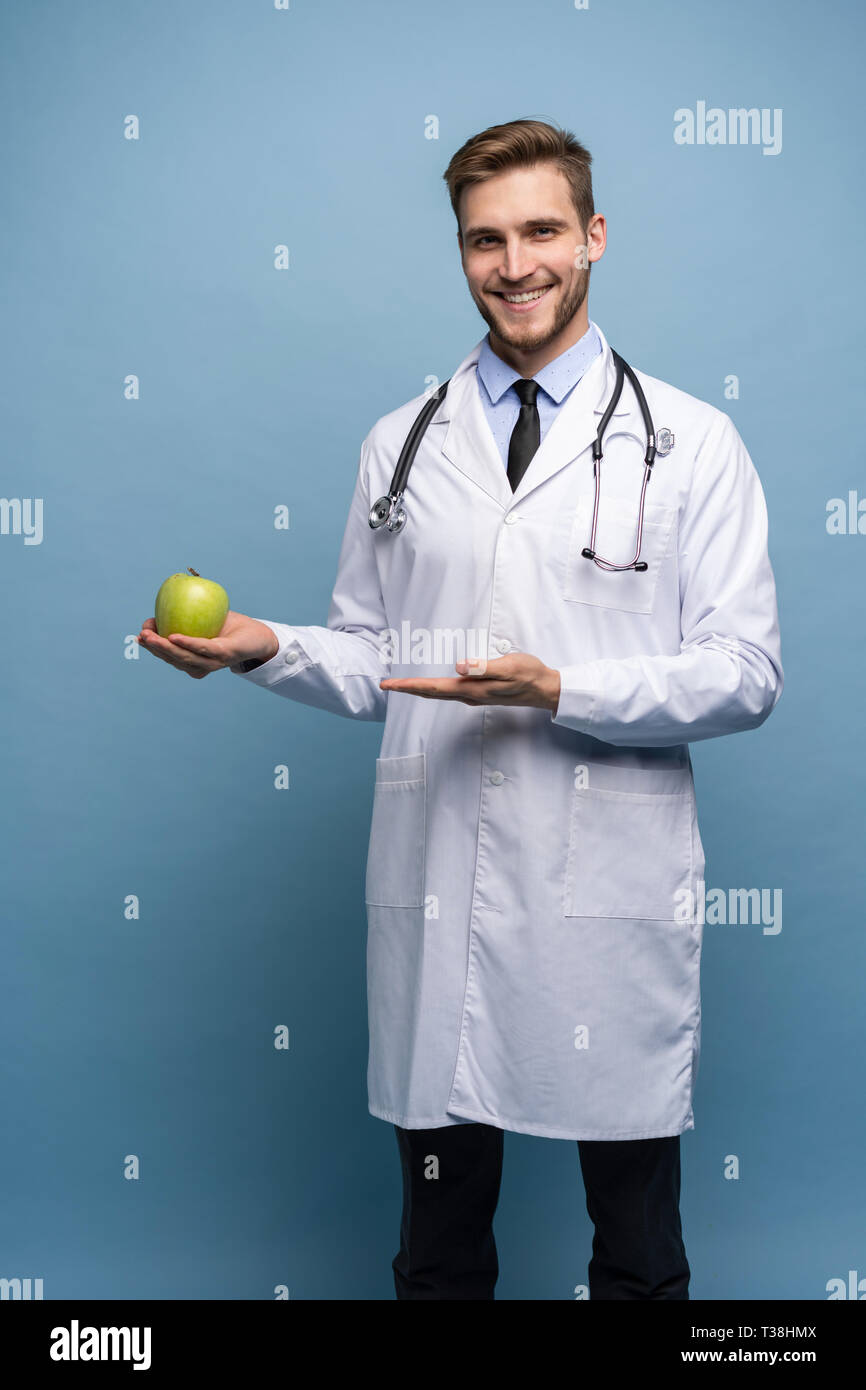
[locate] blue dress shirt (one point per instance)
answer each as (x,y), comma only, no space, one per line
(501,403)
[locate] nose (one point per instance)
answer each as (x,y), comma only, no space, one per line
(517,261)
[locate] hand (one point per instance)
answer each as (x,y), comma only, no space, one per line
(518,679)
(239,639)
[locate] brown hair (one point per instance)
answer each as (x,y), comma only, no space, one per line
(518,145)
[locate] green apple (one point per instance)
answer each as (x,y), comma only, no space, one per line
(188,604)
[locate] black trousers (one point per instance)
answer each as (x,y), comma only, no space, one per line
(451,1180)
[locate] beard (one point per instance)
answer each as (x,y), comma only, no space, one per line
(527,339)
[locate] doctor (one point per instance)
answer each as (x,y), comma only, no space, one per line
(533,946)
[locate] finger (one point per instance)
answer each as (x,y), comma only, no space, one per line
(177,656)
(448,686)
(207,647)
(461,691)
(476,667)
(500,668)
(172,645)
(417,684)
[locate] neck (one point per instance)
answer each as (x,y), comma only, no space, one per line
(529,363)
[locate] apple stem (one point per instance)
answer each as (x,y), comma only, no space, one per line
(192,571)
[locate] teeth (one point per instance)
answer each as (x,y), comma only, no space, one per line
(525,298)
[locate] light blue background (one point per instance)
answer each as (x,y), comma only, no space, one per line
(155,257)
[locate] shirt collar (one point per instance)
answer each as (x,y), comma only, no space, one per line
(556,379)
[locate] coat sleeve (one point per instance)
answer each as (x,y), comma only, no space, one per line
(338,667)
(728,673)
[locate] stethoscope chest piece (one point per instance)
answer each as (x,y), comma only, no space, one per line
(388,509)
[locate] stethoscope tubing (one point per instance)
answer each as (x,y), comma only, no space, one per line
(622,370)
(389,509)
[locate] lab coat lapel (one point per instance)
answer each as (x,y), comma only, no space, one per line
(469,444)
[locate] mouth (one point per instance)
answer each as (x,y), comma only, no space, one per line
(523,301)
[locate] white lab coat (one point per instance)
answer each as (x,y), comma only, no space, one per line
(532,960)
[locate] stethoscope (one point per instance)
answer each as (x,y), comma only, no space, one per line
(389,510)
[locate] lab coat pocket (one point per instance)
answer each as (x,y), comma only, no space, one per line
(396,852)
(631,591)
(629,854)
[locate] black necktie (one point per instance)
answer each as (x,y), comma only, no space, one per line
(526,435)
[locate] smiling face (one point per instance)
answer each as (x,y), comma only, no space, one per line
(523,251)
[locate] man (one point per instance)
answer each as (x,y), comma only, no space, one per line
(533,942)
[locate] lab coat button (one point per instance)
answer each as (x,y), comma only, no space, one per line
(503,645)
(497,778)
(291,656)
(510,519)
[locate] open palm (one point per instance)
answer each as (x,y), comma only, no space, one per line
(239,639)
